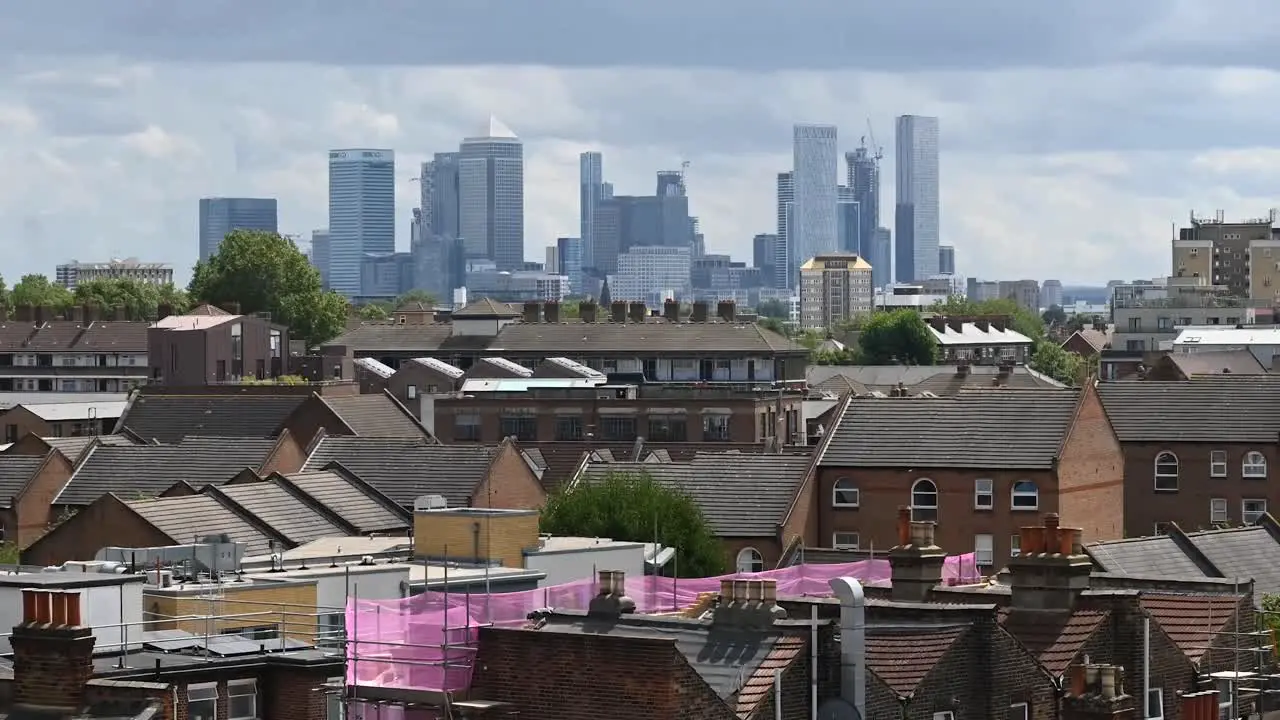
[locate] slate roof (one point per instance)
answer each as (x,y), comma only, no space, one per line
(486,308)
(902,657)
(184,518)
(74,447)
(169,418)
(1155,556)
(741,495)
(15,471)
(342,495)
(559,459)
(152,469)
(65,335)
(1191,621)
(405,468)
(1217,362)
(1217,408)
(289,515)
(1247,553)
(375,415)
(985,429)
(1099,340)
(937,379)
(1054,637)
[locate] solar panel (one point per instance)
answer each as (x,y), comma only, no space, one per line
(174,645)
(230,645)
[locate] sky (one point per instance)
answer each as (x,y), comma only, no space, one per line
(1074,134)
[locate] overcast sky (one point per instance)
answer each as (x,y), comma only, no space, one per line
(1074,134)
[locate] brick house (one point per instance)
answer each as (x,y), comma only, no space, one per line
(420,378)
(169,413)
(214,347)
(28,484)
(89,351)
(979,463)
(62,419)
(1199,453)
(379,415)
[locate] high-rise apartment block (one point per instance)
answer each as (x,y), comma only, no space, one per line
(491,195)
(863,177)
(73,273)
(221,215)
(813,227)
(918,211)
(785,265)
(881,257)
(1025,293)
(1051,293)
(362,213)
(1242,258)
(833,288)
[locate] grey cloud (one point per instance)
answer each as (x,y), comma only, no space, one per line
(744,34)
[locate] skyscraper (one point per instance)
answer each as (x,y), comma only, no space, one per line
(813,227)
(320,254)
(362,213)
(590,193)
(221,215)
(946,260)
(916,220)
(440,207)
(784,268)
(491,195)
(569,262)
(864,180)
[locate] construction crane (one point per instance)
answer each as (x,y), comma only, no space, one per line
(877,151)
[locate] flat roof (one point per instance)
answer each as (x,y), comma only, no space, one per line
(552,545)
(58,411)
(437,574)
(339,547)
(66,579)
(232,584)
(478,385)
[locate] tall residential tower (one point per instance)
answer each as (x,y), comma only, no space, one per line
(813,229)
(916,220)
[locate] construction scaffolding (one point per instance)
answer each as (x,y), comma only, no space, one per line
(1251,686)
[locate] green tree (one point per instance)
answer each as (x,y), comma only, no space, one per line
(773,308)
(834,357)
(569,310)
(415,296)
(1022,320)
(374,312)
(37,290)
(900,337)
(1055,316)
(773,324)
(1061,365)
(139,299)
(265,272)
(633,506)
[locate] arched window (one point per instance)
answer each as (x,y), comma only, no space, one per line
(844,493)
(750,561)
(1166,471)
(1255,465)
(1026,496)
(924,501)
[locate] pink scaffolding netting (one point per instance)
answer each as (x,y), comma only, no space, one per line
(428,641)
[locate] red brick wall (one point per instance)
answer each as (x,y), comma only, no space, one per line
(1091,474)
(288,456)
(51,665)
(510,484)
(30,508)
(108,521)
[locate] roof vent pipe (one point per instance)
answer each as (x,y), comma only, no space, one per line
(853,642)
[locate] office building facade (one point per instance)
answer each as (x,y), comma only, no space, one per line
(320,255)
(946,260)
(362,213)
(785,265)
(569,262)
(863,177)
(221,215)
(73,273)
(917,214)
(590,193)
(813,229)
(491,195)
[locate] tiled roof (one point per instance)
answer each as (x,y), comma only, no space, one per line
(560,459)
(1218,408)
(1054,637)
(741,495)
(54,335)
(169,418)
(185,518)
(486,308)
(15,471)
(291,516)
(345,496)
(937,379)
(405,468)
(760,685)
(375,415)
(74,447)
(901,658)
(135,470)
(1245,553)
(987,429)
(1217,362)
(1155,556)
(1099,340)
(1191,621)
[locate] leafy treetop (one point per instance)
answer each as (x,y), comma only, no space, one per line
(139,299)
(900,337)
(37,290)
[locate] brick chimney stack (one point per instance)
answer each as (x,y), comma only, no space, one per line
(1097,692)
(1051,569)
(52,652)
(611,598)
(916,561)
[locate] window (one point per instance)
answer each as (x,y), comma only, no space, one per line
(984,494)
(944,715)
(844,493)
(924,501)
(668,428)
(1166,471)
(466,428)
(1252,510)
(522,427)
(618,427)
(1155,704)
(715,428)
(1160,528)
(569,427)
(1025,496)
(750,561)
(1015,545)
(845,540)
(221,372)
(1218,463)
(1255,465)
(242,700)
(983,549)
(1019,711)
(411,392)
(1218,510)
(202,701)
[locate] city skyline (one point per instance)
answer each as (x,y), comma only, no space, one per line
(116,140)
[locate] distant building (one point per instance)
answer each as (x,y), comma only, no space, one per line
(320,254)
(517,286)
(1242,257)
(362,211)
(221,215)
(652,275)
(947,260)
(491,195)
(383,276)
(569,262)
(1051,293)
(785,264)
(917,211)
(1026,293)
(813,228)
(834,288)
(881,258)
(70,274)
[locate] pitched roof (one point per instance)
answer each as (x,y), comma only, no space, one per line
(936,379)
(54,335)
(1192,621)
(486,308)
(15,471)
(902,657)
(74,447)
(760,685)
(185,518)
(740,495)
(291,516)
(1054,637)
(404,469)
(375,415)
(985,429)
(1217,408)
(366,512)
(1247,553)
(558,460)
(169,418)
(1217,362)
(1155,556)
(1099,340)
(152,469)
